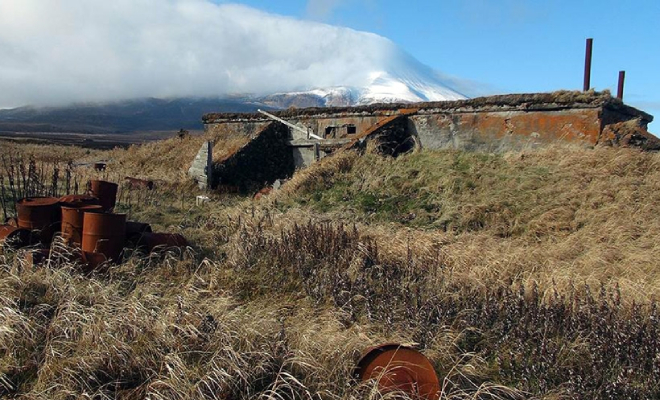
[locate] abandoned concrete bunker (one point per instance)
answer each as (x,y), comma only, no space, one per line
(275,149)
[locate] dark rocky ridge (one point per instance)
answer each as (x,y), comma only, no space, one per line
(121,117)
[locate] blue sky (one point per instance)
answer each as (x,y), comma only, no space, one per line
(175,48)
(512,45)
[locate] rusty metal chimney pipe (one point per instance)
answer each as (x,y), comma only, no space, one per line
(622,79)
(587,65)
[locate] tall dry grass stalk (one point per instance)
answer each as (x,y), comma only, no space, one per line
(23,176)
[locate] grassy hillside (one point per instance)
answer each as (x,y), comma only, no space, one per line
(521,275)
(553,215)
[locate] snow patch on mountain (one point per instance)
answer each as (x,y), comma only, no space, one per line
(401,79)
(383,89)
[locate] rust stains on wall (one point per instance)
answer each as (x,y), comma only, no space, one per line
(496,130)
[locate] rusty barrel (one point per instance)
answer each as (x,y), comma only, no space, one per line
(38,212)
(92,261)
(104,234)
(12,221)
(14,237)
(134,232)
(72,221)
(137,228)
(399,368)
(78,200)
(106,192)
(154,241)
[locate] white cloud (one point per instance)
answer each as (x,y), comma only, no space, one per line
(60,51)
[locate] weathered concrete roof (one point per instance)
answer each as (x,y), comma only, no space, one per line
(526,101)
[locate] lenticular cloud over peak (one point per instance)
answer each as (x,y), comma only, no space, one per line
(97,50)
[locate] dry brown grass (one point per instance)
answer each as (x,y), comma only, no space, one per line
(177,334)
(51,153)
(561,214)
(253,313)
(170,159)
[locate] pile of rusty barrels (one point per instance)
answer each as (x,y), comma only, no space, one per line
(84,221)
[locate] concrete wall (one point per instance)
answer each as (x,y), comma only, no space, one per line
(483,130)
(496,123)
(506,130)
(303,156)
(471,130)
(319,125)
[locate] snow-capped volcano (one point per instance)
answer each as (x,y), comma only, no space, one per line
(396,78)
(386,88)
(408,83)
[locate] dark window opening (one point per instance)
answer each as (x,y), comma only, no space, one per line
(330,132)
(351,129)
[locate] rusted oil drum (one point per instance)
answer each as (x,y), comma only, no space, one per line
(77,200)
(160,241)
(38,212)
(37,257)
(104,234)
(12,221)
(106,192)
(399,368)
(42,214)
(72,221)
(14,237)
(134,231)
(137,228)
(92,261)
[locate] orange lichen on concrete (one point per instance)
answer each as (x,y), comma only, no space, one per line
(575,125)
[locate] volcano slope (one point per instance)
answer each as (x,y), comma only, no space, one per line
(520,275)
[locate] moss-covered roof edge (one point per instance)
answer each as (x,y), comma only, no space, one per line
(562,99)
